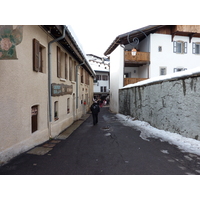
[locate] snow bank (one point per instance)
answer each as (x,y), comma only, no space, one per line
(184,144)
(166,77)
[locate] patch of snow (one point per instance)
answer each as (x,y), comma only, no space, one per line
(164,151)
(184,144)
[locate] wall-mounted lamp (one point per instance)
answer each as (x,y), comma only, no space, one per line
(133,52)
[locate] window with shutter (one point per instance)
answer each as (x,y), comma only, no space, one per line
(196,48)
(66,66)
(82,75)
(39,55)
(58,62)
(70,69)
(36,50)
(180,47)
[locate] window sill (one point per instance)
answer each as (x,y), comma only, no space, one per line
(73,82)
(63,79)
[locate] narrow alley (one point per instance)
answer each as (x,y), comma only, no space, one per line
(108,148)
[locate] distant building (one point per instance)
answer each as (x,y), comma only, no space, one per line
(101,66)
(45,85)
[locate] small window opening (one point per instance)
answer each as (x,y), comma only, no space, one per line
(34,118)
(56,110)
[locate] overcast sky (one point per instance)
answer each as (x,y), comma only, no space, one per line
(98,22)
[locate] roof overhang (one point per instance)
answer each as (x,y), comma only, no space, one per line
(70,44)
(125,38)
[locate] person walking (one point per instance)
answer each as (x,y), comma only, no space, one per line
(95,111)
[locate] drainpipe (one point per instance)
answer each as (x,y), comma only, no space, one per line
(49,74)
(77,67)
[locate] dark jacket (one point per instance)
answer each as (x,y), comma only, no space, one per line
(95,108)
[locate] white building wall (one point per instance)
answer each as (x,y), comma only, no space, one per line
(97,87)
(101,83)
(116,77)
(167,58)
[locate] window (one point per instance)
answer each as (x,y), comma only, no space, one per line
(68,105)
(98,77)
(196,48)
(34,118)
(62,64)
(39,55)
(56,110)
(74,70)
(66,66)
(70,69)
(163,71)
(104,77)
(179,69)
(103,88)
(87,81)
(180,47)
(159,49)
(82,75)
(58,62)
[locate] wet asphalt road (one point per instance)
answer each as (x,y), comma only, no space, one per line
(108,148)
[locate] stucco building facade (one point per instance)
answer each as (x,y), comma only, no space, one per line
(45,85)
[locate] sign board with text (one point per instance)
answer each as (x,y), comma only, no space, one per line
(61,89)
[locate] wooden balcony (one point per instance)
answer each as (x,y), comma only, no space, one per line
(133,80)
(140,59)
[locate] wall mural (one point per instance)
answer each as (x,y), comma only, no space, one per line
(9,39)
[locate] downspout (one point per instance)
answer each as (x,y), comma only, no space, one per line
(49,76)
(77,67)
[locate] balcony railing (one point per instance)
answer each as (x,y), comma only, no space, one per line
(133,80)
(139,57)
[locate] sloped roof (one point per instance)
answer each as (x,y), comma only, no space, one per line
(126,37)
(70,43)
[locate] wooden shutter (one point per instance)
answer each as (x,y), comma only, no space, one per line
(66,66)
(70,69)
(58,63)
(193,47)
(36,50)
(174,47)
(185,47)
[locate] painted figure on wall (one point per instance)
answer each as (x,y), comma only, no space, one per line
(9,38)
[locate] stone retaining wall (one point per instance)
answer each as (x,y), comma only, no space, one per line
(172,105)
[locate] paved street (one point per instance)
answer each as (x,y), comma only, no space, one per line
(108,148)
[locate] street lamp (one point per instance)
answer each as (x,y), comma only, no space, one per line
(133,52)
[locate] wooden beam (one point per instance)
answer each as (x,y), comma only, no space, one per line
(190,37)
(173,34)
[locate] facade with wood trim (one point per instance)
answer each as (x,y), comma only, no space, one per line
(46,84)
(160,50)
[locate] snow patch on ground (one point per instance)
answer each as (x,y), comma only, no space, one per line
(184,144)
